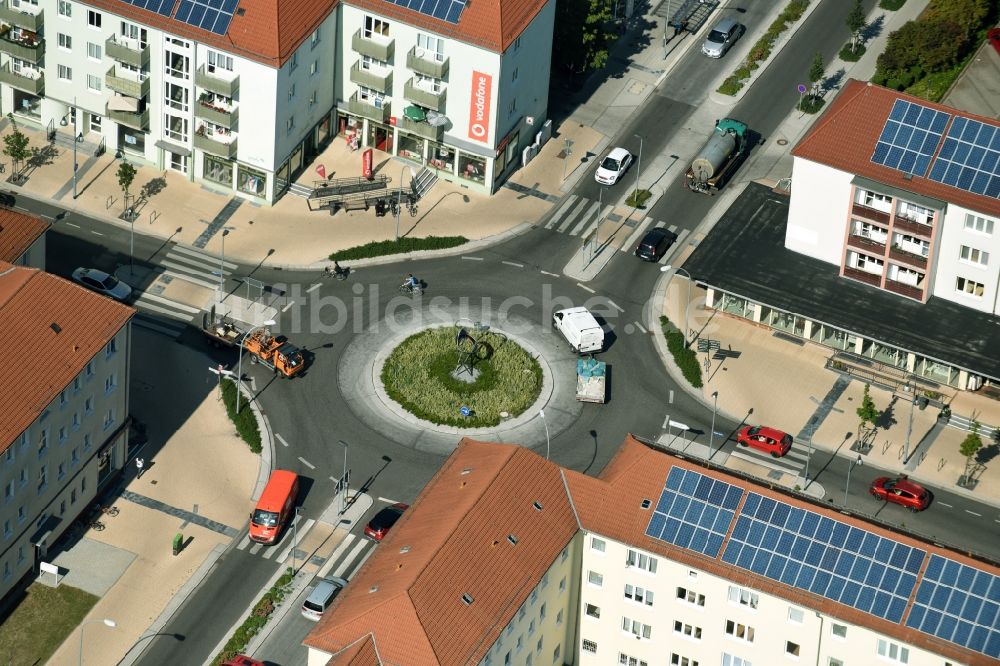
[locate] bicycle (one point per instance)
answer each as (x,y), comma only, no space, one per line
(411,290)
(110,510)
(336,272)
(96,525)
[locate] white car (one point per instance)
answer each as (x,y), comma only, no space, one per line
(613,166)
(103,283)
(322,597)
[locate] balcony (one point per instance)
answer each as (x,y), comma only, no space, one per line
(126,86)
(427,64)
(902,256)
(862,276)
(909,226)
(904,289)
(18,17)
(373,47)
(421,129)
(215,145)
(227,87)
(139,120)
(371,79)
(867,213)
(217,115)
(30,49)
(866,244)
(424,98)
(130,53)
(34,85)
(360,107)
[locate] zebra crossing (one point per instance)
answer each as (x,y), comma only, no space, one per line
(169,316)
(344,562)
(579,216)
(793,462)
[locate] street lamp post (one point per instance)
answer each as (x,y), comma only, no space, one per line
(687,306)
(239,373)
(222,263)
(343,479)
(909,427)
(106,621)
(809,456)
(600,207)
(711,435)
(541,413)
(638,168)
(77,138)
(399,195)
(847,488)
(295,537)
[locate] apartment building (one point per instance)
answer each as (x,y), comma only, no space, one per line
(22,239)
(506,558)
(64,426)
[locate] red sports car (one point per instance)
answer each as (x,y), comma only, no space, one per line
(769,440)
(383,521)
(902,491)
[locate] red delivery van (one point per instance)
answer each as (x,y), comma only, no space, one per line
(274,507)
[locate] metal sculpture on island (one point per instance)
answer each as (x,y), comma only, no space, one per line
(470,351)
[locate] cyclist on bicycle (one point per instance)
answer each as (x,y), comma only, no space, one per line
(410,282)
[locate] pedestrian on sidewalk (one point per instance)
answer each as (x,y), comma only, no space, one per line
(140,464)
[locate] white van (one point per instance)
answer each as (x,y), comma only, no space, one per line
(580,329)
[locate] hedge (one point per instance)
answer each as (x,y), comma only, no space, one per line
(398,246)
(847,54)
(684,356)
(245,422)
(891,5)
(761,49)
(259,616)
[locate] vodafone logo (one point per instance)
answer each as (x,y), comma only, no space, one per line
(479,106)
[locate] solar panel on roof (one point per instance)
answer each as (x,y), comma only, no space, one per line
(161,7)
(970,158)
(444,10)
(211,15)
(960,604)
(909,137)
(694,511)
(824,556)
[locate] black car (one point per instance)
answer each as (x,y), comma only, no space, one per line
(654,244)
(7,199)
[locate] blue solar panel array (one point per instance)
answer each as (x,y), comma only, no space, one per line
(694,511)
(909,137)
(445,10)
(824,556)
(211,15)
(161,7)
(959,604)
(970,158)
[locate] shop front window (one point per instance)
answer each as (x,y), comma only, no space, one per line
(250,180)
(411,147)
(471,167)
(939,372)
(131,140)
(441,157)
(733,305)
(217,170)
(27,105)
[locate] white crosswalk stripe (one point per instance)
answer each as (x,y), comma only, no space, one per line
(194,266)
(793,462)
(578,216)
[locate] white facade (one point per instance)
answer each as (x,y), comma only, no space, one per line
(819,211)
(968,268)
(55,467)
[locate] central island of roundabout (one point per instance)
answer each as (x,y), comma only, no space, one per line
(425,378)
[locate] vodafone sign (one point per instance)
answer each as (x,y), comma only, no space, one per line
(479,107)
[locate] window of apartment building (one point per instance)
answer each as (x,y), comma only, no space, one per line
(539,644)
(980,225)
(630,661)
(597,544)
(562,584)
(65,41)
(520,613)
(93,18)
(291,92)
(531,627)
(24,440)
(88,405)
(8,454)
(838,630)
(869,264)
(65,73)
(314,68)
(176,96)
(545,580)
(177,65)
(22,515)
(8,491)
(678,660)
(369,63)
(559,617)
(687,630)
(512,107)
(534,595)
(133,32)
(792,649)
(541,612)
(74,458)
(24,477)
(513,75)
(741,595)
(290,124)
(430,47)
(83,485)
(375,27)
(111,348)
(517,43)
(62,398)
(314,39)
(61,471)
(43,442)
(740,631)
(77,383)
(592,611)
(974,255)
(636,628)
(293,62)
(111,383)
(86,442)
(882,202)
(564,554)
(109,418)
(428,83)
(915,213)
(176,128)
(893,651)
(639,595)
(93,83)
(62,434)
(43,478)
(732,660)
(219,62)
(595,578)
(970,287)
(94,51)
(7,530)
(796,615)
(72,496)
(64,8)
(90,369)
(637,559)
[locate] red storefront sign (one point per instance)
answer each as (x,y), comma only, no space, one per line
(366,163)
(479,107)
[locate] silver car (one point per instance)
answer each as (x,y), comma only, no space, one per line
(321,597)
(722,37)
(103,283)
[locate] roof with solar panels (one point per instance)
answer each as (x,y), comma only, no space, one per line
(911,144)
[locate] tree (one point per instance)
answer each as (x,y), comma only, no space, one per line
(816,70)
(126,174)
(855,22)
(867,412)
(969,15)
(970,447)
(583,33)
(16,146)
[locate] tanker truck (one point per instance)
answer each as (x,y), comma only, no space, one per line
(720,157)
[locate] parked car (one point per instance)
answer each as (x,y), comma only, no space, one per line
(321,597)
(725,33)
(103,283)
(655,244)
(611,168)
(383,521)
(7,199)
(901,491)
(769,440)
(242,660)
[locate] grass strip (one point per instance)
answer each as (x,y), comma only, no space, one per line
(245,421)
(684,356)
(41,621)
(403,245)
(259,617)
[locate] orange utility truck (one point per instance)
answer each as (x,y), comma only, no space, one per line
(275,506)
(276,353)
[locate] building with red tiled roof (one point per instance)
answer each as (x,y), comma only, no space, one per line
(507,558)
(64,422)
(22,238)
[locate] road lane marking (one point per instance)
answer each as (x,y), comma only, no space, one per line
(362,543)
(977,515)
(549,274)
(513,263)
(472,258)
(313,288)
(944,504)
(616,306)
(306,463)
(640,327)
(360,564)
(70,224)
(670,400)
(280,439)
(585,288)
(330,561)
(302,532)
(96,233)
(387,500)
(287,307)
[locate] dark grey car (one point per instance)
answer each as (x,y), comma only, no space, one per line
(655,243)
